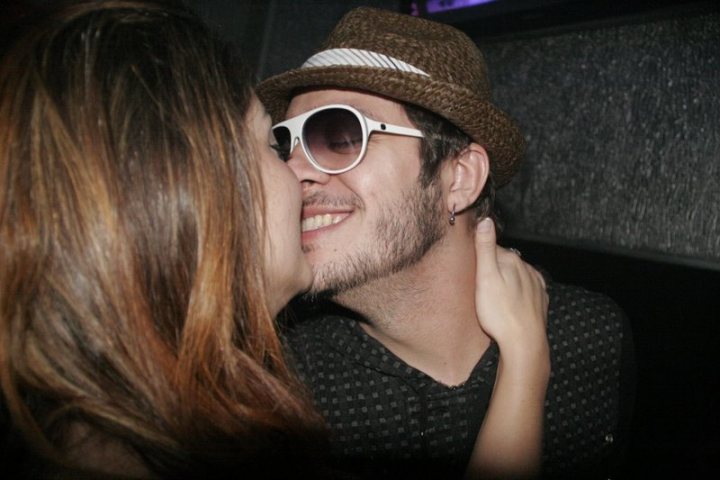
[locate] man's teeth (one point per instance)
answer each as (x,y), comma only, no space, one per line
(318,221)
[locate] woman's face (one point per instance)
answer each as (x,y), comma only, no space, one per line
(287,272)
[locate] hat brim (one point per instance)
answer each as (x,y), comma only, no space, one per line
(486,124)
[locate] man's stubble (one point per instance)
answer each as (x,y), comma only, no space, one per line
(404,232)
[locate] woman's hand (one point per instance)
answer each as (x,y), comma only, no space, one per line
(511,305)
(510,296)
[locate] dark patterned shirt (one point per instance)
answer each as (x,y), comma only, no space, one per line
(389,420)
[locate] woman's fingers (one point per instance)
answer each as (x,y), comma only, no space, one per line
(486,249)
(511,300)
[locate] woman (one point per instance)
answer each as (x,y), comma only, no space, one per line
(136,313)
(149,235)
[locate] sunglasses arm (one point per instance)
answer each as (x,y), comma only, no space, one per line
(374,126)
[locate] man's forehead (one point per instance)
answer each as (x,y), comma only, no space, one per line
(372,105)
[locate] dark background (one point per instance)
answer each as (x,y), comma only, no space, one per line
(620,188)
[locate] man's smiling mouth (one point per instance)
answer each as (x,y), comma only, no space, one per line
(316,222)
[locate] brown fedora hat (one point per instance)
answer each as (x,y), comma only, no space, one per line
(413,60)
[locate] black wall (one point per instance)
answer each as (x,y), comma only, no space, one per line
(623,129)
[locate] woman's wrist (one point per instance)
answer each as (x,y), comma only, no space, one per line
(526,362)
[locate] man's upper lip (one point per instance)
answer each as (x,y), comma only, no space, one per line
(308,212)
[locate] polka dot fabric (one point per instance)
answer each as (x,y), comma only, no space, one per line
(389,420)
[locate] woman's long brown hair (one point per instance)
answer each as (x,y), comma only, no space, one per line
(132,297)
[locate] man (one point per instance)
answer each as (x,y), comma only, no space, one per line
(399,150)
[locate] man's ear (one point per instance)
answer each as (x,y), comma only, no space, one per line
(468,173)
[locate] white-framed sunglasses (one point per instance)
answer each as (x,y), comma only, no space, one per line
(333,137)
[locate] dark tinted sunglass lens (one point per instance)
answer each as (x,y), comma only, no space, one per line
(282,136)
(334,137)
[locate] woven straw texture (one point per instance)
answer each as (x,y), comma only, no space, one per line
(456,86)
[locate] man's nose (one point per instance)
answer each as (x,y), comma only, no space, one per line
(303,169)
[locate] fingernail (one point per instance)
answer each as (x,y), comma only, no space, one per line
(485,225)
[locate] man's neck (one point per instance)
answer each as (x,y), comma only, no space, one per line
(425,314)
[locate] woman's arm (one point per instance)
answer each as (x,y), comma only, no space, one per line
(511,304)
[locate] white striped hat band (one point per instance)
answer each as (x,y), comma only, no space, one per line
(359,58)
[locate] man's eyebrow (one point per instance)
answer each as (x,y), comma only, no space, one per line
(362,110)
(374,113)
(367,113)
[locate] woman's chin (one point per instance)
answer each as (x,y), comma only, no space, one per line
(280,300)
(303,277)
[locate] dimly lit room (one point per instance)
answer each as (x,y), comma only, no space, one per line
(616,191)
